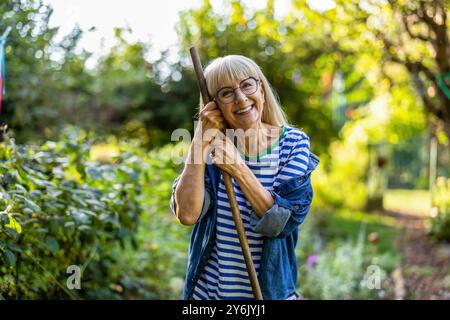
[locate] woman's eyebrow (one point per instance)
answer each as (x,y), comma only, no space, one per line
(226,86)
(232,85)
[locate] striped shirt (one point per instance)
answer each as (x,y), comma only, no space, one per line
(225,275)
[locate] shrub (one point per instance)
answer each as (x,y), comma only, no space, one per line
(60,208)
(339,181)
(156,270)
(440,223)
(343,270)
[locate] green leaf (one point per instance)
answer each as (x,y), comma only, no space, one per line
(52,245)
(30,221)
(80,216)
(84,228)
(69,224)
(94,173)
(14,225)
(10,257)
(95,203)
(13,246)
(33,206)
(41,230)
(79,200)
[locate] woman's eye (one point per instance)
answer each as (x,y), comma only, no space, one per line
(227,93)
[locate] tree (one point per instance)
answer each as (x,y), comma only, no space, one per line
(142,99)
(411,34)
(45,79)
(424,22)
(293,57)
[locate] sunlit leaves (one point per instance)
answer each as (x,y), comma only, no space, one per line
(14,225)
(59,216)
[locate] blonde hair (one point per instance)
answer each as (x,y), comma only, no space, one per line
(229,68)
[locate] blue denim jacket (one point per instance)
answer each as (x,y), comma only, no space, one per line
(279,225)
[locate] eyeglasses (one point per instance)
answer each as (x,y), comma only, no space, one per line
(247,86)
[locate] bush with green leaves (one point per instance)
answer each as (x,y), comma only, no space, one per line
(60,208)
(341,269)
(440,223)
(156,270)
(343,273)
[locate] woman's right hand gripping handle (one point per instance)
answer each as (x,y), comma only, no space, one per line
(190,191)
(210,122)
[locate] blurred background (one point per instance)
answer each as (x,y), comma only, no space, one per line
(92,91)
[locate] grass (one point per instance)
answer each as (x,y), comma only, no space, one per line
(416,202)
(423,271)
(345,224)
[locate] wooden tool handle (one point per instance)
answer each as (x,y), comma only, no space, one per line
(201,81)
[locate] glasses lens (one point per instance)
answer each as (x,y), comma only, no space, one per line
(249,86)
(226,95)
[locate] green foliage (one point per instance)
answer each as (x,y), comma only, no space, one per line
(335,262)
(340,179)
(103,207)
(61,209)
(340,273)
(336,267)
(440,223)
(293,56)
(49,85)
(158,266)
(148,100)
(45,78)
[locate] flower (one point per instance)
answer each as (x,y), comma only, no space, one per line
(373,237)
(312,260)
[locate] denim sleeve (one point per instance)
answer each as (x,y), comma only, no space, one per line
(206,200)
(288,211)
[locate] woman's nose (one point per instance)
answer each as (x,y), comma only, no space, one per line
(239,96)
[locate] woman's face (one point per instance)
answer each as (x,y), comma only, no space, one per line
(241,102)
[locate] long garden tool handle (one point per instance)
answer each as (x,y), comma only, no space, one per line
(228,185)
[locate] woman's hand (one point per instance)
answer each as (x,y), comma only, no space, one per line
(225,155)
(211,122)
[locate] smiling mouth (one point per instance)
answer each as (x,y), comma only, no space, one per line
(245,110)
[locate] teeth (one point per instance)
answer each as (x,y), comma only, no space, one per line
(244,110)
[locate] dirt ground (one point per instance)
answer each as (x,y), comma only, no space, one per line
(425,270)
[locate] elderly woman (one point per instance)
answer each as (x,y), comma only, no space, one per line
(270,164)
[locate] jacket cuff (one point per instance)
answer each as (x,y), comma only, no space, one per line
(206,204)
(273,221)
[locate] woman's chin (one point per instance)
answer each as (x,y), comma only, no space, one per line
(248,123)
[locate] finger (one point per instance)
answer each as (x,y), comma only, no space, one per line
(216,120)
(218,148)
(211,115)
(204,114)
(219,135)
(209,133)
(215,113)
(217,158)
(219,140)
(213,118)
(210,106)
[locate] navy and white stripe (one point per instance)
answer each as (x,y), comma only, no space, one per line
(225,275)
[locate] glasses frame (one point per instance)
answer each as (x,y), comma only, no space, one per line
(216,97)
